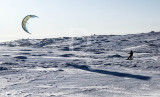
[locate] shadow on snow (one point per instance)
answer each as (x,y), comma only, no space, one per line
(119,74)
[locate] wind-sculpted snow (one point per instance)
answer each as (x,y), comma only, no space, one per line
(3,68)
(89,66)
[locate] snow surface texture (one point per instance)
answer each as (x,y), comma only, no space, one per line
(90,66)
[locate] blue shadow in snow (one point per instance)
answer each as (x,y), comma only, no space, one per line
(119,74)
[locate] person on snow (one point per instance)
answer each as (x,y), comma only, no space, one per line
(130,56)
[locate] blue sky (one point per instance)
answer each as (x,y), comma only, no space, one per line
(58,18)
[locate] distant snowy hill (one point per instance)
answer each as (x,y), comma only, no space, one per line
(144,42)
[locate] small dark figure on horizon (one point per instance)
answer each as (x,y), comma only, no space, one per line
(130,56)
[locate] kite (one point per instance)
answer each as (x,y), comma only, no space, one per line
(25,22)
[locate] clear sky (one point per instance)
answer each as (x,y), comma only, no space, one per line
(58,18)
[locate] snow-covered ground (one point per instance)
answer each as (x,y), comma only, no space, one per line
(90,66)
